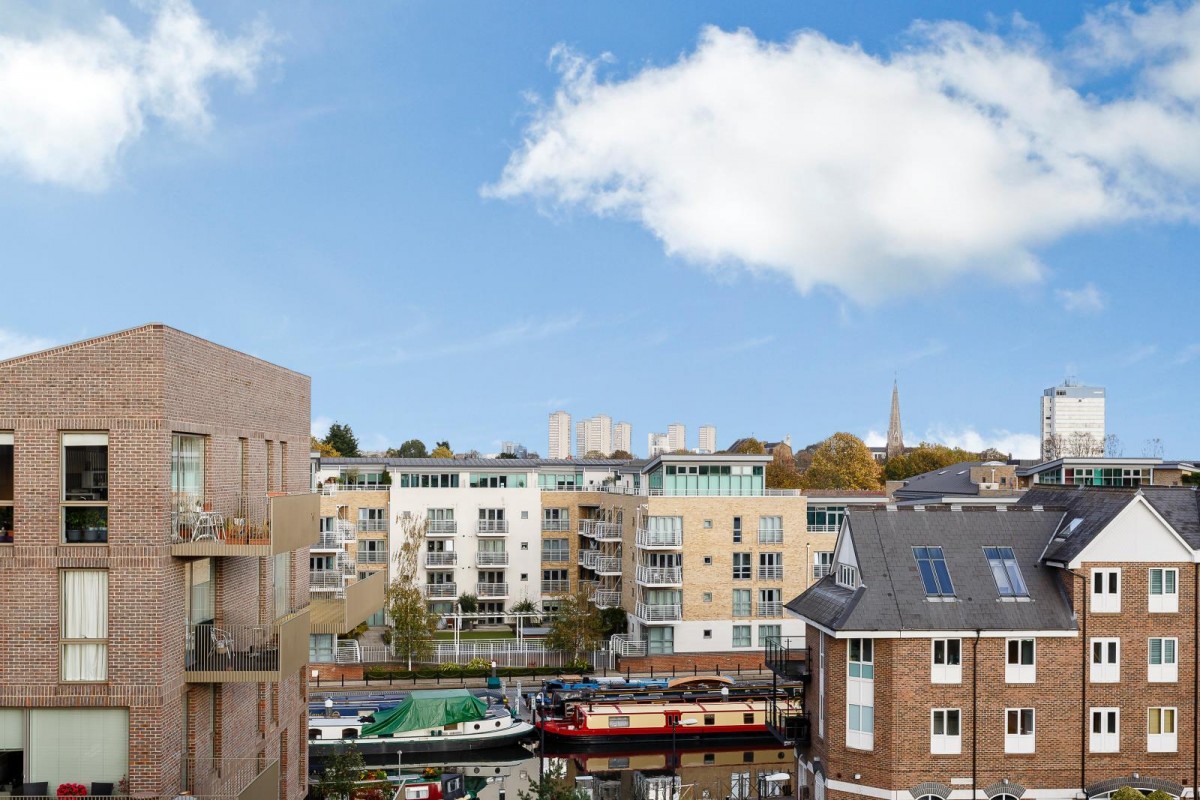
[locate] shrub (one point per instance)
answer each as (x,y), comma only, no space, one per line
(1127,793)
(1159,794)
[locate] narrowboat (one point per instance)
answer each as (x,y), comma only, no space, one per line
(594,723)
(436,721)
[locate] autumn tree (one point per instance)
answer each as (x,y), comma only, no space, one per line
(781,473)
(750,447)
(342,439)
(442,451)
(594,454)
(623,455)
(413,624)
(576,625)
(842,462)
(325,450)
(926,457)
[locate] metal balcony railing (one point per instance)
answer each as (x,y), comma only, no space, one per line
(491,559)
(623,645)
(659,576)
(605,598)
(820,571)
(372,525)
(823,528)
(651,540)
(770,535)
(555,555)
(556,587)
(236,648)
(331,489)
(608,565)
(372,557)
(488,590)
(326,580)
(607,532)
(556,524)
(441,590)
(787,657)
(774,573)
(659,612)
(441,527)
(441,559)
(588,558)
(492,526)
(770,608)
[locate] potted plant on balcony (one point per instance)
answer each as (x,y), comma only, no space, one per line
(260,534)
(95,526)
(235,530)
(73,521)
(71,790)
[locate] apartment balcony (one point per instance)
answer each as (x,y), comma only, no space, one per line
(558,556)
(441,590)
(600,530)
(230,653)
(556,587)
(326,581)
(371,557)
(820,571)
(246,526)
(441,527)
(441,559)
(557,525)
(491,591)
(605,598)
(823,528)
(588,558)
(373,526)
(787,721)
(342,612)
(658,612)
(491,527)
(623,645)
(247,778)
(770,573)
(491,559)
(770,536)
(659,576)
(659,540)
(333,489)
(770,608)
(787,657)
(608,565)
(330,542)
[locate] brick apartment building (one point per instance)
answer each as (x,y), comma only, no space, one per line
(155,518)
(1042,650)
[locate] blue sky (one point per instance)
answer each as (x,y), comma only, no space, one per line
(459,217)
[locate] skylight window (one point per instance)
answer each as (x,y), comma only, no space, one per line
(934,573)
(1006,571)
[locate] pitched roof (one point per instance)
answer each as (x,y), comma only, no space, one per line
(891,595)
(459,463)
(954,479)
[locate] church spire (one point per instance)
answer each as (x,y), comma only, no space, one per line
(895,437)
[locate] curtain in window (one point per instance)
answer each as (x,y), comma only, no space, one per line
(187,470)
(84,616)
(283,584)
(78,745)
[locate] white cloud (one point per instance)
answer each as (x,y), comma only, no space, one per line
(1188,354)
(1136,355)
(320,426)
(1021,445)
(71,101)
(13,344)
(875,438)
(872,174)
(1085,300)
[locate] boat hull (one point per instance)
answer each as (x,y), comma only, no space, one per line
(561,738)
(424,744)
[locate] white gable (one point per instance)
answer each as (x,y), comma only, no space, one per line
(1138,534)
(843,551)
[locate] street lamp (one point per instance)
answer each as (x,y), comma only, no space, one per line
(676,723)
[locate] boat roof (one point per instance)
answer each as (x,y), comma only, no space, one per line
(659,708)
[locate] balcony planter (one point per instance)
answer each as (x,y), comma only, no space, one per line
(71,790)
(260,534)
(235,531)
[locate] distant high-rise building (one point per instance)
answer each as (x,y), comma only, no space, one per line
(560,435)
(622,437)
(1073,420)
(676,436)
(708,439)
(895,436)
(657,444)
(594,435)
(514,449)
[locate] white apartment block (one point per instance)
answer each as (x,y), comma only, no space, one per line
(560,435)
(708,439)
(657,444)
(623,437)
(593,435)
(1073,422)
(676,436)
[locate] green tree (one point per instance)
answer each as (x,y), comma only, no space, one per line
(413,624)
(750,447)
(781,473)
(341,438)
(842,462)
(552,785)
(525,606)
(576,626)
(926,457)
(342,772)
(441,451)
(326,451)
(413,448)
(613,620)
(468,604)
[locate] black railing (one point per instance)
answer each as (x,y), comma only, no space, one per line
(786,719)
(787,657)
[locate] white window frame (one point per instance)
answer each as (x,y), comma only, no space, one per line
(1163,741)
(821,685)
(1163,602)
(1105,601)
(847,576)
(944,743)
(860,695)
(1019,672)
(1104,740)
(1108,668)
(1020,742)
(1166,671)
(945,672)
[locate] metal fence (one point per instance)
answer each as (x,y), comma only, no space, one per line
(505,652)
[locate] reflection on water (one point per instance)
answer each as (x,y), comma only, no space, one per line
(757,769)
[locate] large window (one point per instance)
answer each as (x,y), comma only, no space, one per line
(770,566)
(555,550)
(822,563)
(1105,736)
(741,602)
(187,471)
(766,632)
(945,735)
(1164,660)
(1006,572)
(1161,736)
(741,566)
(78,745)
(484,480)
(825,519)
(860,694)
(1021,664)
(83,624)
(660,640)
(1164,590)
(947,661)
(85,487)
(7,479)
(201,591)
(1018,731)
(1106,660)
(556,519)
(372,520)
(741,635)
(935,575)
(1106,591)
(770,530)
(421,480)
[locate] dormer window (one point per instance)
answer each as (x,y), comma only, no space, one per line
(847,576)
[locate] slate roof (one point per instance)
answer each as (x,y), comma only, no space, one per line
(891,596)
(1096,506)
(951,480)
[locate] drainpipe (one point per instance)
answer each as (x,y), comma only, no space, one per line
(1195,681)
(1083,682)
(975,716)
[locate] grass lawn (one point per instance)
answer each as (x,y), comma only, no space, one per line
(469,635)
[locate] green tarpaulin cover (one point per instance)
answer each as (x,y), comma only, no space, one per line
(428,709)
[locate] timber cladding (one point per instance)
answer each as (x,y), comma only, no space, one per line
(140,386)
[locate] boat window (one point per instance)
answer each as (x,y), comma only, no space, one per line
(710,719)
(618,722)
(618,762)
(349,733)
(748,718)
(497,723)
(453,726)
(314,733)
(476,726)
(710,758)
